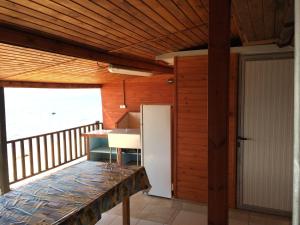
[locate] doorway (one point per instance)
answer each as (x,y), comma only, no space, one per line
(265,134)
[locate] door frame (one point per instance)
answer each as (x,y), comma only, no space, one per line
(241,94)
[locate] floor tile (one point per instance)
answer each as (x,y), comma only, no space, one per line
(146,222)
(238,217)
(106,219)
(190,218)
(264,219)
(119,221)
(194,207)
(157,213)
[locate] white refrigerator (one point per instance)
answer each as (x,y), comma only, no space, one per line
(156,147)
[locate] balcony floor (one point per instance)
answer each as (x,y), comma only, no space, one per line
(148,210)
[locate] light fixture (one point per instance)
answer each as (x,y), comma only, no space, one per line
(128,71)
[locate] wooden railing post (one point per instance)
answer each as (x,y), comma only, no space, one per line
(4,181)
(58,142)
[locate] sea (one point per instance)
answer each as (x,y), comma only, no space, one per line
(34,111)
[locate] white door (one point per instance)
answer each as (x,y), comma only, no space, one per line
(156,142)
(266,125)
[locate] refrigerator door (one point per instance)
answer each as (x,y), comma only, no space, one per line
(156,142)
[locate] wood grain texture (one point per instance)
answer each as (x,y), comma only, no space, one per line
(261,21)
(218,107)
(145,90)
(141,28)
(192,128)
(35,68)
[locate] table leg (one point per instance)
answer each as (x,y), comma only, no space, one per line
(119,156)
(137,156)
(110,152)
(87,148)
(126,211)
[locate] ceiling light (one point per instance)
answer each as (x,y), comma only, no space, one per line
(128,71)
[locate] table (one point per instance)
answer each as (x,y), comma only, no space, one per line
(78,194)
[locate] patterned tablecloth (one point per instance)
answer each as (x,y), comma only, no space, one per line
(76,195)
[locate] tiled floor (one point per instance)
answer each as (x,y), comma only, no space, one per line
(147,210)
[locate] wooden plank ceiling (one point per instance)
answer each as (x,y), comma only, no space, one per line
(23,64)
(264,21)
(143,28)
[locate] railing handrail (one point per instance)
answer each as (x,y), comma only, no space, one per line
(54,132)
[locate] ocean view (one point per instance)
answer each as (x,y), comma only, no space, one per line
(32,111)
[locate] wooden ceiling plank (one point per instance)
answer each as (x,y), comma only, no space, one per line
(177,38)
(189,11)
(89,18)
(165,14)
(158,46)
(269,18)
(176,12)
(24,59)
(199,8)
(119,12)
(39,27)
(64,20)
(256,15)
(132,51)
(245,23)
(153,14)
(149,48)
(33,52)
(182,40)
(126,6)
(203,37)
(46,22)
(45,85)
(11,35)
(192,35)
(101,15)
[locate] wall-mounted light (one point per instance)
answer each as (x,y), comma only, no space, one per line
(171,81)
(128,71)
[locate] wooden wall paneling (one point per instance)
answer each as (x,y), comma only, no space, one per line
(191,128)
(145,90)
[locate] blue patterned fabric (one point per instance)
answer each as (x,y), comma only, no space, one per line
(77,195)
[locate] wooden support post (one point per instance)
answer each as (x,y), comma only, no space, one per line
(296,171)
(126,211)
(218,79)
(4,182)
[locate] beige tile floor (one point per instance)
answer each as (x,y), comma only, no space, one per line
(148,210)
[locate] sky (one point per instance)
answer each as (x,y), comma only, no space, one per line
(32,111)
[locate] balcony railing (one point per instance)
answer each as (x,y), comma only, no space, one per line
(33,155)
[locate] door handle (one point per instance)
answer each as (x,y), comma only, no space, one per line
(242,138)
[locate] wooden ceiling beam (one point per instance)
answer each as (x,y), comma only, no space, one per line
(49,43)
(25,84)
